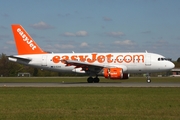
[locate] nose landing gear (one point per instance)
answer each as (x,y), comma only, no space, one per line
(148,78)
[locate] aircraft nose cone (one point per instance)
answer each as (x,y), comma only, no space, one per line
(171,65)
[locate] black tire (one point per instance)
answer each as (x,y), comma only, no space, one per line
(96,80)
(90,80)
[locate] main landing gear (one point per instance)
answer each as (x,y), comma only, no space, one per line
(93,80)
(148,78)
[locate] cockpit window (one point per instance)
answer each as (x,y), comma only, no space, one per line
(163,59)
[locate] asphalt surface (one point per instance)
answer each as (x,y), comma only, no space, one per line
(84,84)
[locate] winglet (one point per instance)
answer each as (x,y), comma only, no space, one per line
(24,43)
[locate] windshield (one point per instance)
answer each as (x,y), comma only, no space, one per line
(163,59)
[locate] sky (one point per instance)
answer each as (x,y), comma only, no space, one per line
(89,26)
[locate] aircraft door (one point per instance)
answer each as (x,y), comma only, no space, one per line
(148,60)
(44,60)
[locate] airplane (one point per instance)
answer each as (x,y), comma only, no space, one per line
(115,66)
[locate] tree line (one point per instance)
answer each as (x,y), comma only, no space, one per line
(11,69)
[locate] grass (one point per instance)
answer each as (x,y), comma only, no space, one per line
(89,103)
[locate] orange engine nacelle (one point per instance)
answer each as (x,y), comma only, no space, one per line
(113,73)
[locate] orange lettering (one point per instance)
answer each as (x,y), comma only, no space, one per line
(93,58)
(65,57)
(83,58)
(56,59)
(138,57)
(127,58)
(109,58)
(101,58)
(74,57)
(119,58)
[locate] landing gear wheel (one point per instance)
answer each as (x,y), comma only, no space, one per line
(96,80)
(148,80)
(90,80)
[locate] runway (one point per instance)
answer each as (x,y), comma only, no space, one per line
(84,84)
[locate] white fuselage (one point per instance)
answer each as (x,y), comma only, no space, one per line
(129,62)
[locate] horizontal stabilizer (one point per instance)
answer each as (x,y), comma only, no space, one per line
(15,58)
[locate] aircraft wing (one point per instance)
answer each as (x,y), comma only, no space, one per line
(79,63)
(91,66)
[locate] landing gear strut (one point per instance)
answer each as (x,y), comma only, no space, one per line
(91,79)
(148,78)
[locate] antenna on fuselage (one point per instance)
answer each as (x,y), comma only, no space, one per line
(146,51)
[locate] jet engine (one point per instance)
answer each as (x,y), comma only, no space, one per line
(115,73)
